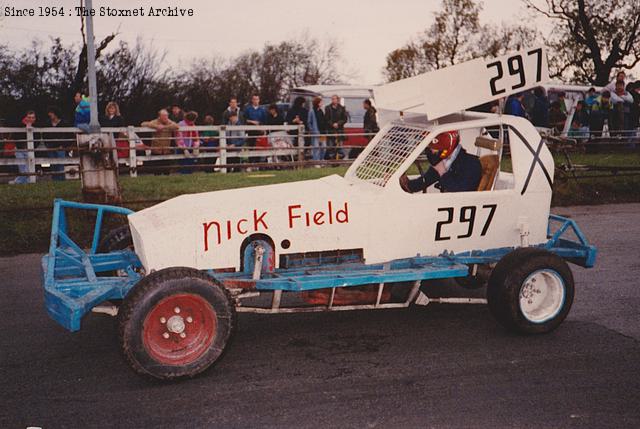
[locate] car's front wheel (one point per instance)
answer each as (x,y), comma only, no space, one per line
(530,291)
(175,323)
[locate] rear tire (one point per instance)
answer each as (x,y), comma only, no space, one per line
(175,323)
(530,291)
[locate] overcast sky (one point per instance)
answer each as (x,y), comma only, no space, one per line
(365,29)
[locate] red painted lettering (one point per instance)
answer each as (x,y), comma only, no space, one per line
(317,218)
(292,216)
(206,233)
(344,213)
(239,227)
(259,219)
(330,214)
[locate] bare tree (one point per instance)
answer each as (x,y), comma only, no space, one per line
(591,38)
(456,35)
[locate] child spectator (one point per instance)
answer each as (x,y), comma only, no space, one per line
(580,122)
(209,138)
(591,98)
(235,139)
(600,113)
(556,117)
(274,117)
(113,119)
(188,141)
(82,115)
(176,114)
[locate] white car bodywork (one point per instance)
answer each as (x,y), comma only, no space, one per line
(367,209)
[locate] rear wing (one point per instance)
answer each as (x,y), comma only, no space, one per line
(462,86)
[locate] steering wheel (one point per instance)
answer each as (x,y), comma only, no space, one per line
(421,171)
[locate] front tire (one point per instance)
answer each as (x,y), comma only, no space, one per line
(530,291)
(175,323)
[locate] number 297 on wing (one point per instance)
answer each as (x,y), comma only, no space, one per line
(516,71)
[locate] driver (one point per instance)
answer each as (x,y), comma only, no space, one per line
(452,168)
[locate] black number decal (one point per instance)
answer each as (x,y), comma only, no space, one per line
(468,215)
(439,225)
(497,77)
(492,210)
(516,68)
(538,52)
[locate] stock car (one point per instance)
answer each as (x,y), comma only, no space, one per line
(178,272)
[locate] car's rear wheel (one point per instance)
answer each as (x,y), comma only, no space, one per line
(530,291)
(175,323)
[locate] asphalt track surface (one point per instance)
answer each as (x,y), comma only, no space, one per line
(439,366)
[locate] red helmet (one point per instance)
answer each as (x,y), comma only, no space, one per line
(445,143)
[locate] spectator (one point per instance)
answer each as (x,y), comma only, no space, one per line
(235,138)
(336,116)
(297,114)
(556,117)
(209,138)
(591,98)
(28,121)
(274,117)
(621,115)
(53,141)
(82,115)
(540,111)
(563,102)
(514,105)
(370,124)
(317,125)
(580,122)
(113,119)
(177,114)
(254,114)
(600,113)
(634,89)
(163,136)
(233,108)
(620,76)
(188,141)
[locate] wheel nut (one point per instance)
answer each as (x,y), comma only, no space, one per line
(533,280)
(163,320)
(165,335)
(189,319)
(183,335)
(177,309)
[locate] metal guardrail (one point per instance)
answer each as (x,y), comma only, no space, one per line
(291,139)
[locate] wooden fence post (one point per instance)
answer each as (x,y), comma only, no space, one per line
(133,160)
(31,156)
(301,146)
(223,148)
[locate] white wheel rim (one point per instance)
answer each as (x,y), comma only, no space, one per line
(542,296)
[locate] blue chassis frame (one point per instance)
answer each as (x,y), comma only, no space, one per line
(72,285)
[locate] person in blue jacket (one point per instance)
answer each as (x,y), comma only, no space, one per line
(515,107)
(452,168)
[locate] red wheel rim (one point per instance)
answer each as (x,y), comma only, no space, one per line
(179,329)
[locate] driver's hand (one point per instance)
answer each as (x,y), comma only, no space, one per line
(440,168)
(404,183)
